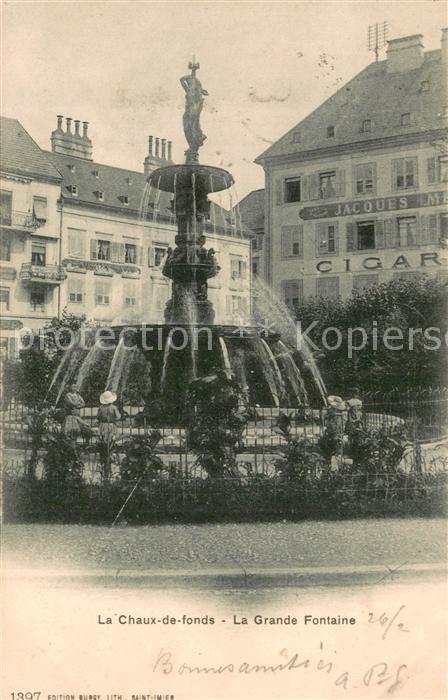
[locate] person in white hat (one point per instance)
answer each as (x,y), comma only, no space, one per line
(108,415)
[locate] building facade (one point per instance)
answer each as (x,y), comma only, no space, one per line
(92,239)
(31,275)
(356,193)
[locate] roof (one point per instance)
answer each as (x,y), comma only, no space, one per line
(376,95)
(20,154)
(115,183)
(252,210)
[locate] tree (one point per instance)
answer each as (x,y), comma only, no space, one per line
(416,308)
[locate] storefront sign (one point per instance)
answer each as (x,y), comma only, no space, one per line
(373,262)
(379,205)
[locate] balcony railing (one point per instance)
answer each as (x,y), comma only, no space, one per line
(19,220)
(45,274)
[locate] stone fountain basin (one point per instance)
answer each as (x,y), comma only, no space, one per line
(206,178)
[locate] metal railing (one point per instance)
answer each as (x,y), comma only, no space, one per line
(49,274)
(19,219)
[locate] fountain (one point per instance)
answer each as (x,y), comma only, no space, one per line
(152,367)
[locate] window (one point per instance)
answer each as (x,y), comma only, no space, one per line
(292,189)
(38,254)
(237,268)
(5,248)
(40,209)
(404,173)
(364,177)
(328,287)
(443,168)
(405,119)
(407,231)
(73,189)
(365,281)
(326,238)
(100,249)
(129,180)
(37,299)
(156,255)
(75,290)
(130,297)
(330,132)
(366,125)
(292,292)
(365,231)
(4,299)
(327,184)
(444,227)
(296,137)
(291,242)
(255,267)
(102,292)
(76,243)
(5,207)
(100,195)
(71,168)
(124,198)
(95,173)
(235,306)
(130,253)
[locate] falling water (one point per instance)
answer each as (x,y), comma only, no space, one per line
(266,368)
(225,353)
(193,186)
(291,371)
(64,361)
(212,206)
(75,354)
(95,354)
(120,366)
(272,311)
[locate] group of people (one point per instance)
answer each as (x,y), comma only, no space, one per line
(75,426)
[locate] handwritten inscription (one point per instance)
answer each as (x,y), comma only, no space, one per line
(388,622)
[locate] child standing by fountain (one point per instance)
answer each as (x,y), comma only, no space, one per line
(108,415)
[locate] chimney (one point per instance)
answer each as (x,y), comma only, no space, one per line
(71,144)
(404,54)
(159,150)
(445,45)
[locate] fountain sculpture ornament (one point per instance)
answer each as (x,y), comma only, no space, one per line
(190,265)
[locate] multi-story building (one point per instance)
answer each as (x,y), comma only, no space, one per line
(99,248)
(30,271)
(356,193)
(251,211)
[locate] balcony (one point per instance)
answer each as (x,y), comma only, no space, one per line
(43,274)
(19,221)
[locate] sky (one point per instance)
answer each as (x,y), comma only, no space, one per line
(265,65)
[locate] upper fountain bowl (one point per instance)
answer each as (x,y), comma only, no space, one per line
(207,178)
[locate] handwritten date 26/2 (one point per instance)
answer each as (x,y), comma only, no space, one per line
(388,622)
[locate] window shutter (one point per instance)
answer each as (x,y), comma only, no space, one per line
(287,240)
(115,252)
(391,234)
(340,182)
(355,171)
(139,255)
(314,186)
(380,240)
(93,249)
(305,188)
(321,239)
(279,191)
(151,256)
(300,240)
(350,235)
(397,169)
(374,177)
(432,228)
(431,170)
(121,252)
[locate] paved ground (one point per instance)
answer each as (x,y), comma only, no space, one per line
(260,545)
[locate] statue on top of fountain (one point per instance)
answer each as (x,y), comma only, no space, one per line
(194,101)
